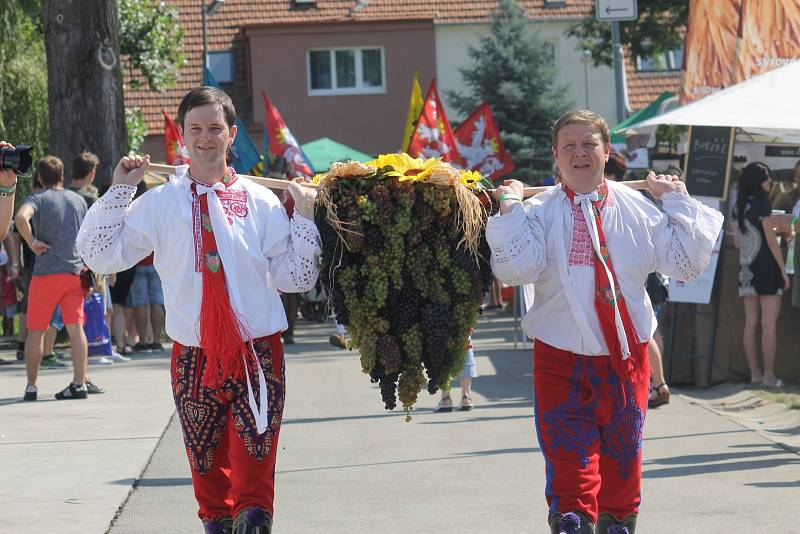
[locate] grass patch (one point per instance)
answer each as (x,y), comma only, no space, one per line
(787,395)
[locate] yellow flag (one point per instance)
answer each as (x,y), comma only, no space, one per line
(415,104)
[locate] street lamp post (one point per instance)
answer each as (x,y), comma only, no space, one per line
(586,58)
(207,10)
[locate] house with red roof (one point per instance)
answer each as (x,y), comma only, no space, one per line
(343,68)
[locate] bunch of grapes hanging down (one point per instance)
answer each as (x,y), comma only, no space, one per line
(406,264)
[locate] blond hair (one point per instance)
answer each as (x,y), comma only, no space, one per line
(585,117)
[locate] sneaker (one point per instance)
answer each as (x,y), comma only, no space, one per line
(141,347)
(30,393)
(102,360)
(51,361)
(93,389)
(20,354)
(156,347)
(339,340)
(72,392)
(116,357)
(60,355)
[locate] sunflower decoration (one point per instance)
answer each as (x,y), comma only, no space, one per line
(406,264)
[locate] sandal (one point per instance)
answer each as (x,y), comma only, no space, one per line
(445,405)
(127,350)
(661,396)
(773,382)
(466,403)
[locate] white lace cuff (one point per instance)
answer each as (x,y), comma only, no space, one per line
(103,223)
(696,228)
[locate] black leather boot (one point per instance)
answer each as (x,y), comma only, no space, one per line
(223,525)
(571,523)
(606,524)
(252,521)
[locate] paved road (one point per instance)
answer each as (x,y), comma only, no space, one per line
(347,467)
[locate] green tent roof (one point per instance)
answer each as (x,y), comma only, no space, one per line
(643,114)
(324,151)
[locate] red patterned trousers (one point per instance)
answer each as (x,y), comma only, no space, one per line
(233,467)
(589,425)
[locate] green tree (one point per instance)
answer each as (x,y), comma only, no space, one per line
(149,39)
(658,29)
(513,70)
(150,43)
(23,80)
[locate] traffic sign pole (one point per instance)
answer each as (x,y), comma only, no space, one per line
(619,73)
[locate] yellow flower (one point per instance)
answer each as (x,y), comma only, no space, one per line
(319,177)
(471,179)
(404,166)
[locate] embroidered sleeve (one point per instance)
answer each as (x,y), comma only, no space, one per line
(517,243)
(686,236)
(105,242)
(297,269)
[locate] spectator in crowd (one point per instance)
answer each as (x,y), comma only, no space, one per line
(762,279)
(290,301)
(465,380)
(57,215)
(147,301)
(495,295)
(84,170)
(790,203)
(122,321)
(616,168)
(9,272)
(8,186)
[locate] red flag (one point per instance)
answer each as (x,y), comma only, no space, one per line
(282,143)
(480,147)
(433,137)
(177,154)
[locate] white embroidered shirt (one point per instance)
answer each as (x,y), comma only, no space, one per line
(546,241)
(263,251)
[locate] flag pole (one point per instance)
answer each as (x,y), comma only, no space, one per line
(275,183)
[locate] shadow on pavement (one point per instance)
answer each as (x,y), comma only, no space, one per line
(706,469)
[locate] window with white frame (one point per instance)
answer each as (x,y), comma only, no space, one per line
(221,65)
(337,71)
(671,60)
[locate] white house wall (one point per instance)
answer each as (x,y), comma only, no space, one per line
(453,40)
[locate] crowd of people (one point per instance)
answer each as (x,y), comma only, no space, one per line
(45,286)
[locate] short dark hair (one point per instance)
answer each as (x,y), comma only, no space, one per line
(83,164)
(616,165)
(207,95)
(51,171)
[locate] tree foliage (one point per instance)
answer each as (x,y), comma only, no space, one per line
(513,70)
(23,75)
(150,44)
(150,40)
(659,28)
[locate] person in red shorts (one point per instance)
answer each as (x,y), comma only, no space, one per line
(223,248)
(587,246)
(57,214)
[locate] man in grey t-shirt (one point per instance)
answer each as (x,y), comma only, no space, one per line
(57,214)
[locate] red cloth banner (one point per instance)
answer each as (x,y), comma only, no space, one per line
(433,137)
(282,143)
(176,151)
(480,147)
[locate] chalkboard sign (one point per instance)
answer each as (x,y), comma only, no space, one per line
(708,161)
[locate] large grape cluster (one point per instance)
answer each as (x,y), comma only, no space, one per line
(401,283)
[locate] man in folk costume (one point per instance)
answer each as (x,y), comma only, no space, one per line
(588,245)
(223,248)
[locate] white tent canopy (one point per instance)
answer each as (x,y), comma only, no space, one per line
(770,101)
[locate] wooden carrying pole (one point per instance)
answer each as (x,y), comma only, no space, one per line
(274,183)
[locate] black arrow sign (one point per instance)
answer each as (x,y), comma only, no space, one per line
(610,9)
